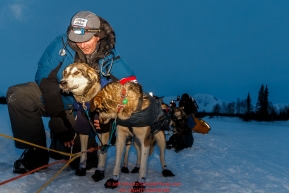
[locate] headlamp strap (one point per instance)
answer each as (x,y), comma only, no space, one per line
(82,30)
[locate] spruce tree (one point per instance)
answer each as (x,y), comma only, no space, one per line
(262,105)
(248,105)
(266,102)
(260,101)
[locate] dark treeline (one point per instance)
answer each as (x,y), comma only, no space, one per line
(3,100)
(263,110)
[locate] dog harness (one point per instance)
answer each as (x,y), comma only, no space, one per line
(82,124)
(152,116)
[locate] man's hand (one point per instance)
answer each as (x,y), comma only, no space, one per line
(96,123)
(69,143)
(62,128)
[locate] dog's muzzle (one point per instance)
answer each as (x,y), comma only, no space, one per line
(63,83)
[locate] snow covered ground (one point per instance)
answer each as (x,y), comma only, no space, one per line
(236,156)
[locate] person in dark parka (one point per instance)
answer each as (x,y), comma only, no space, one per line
(89,39)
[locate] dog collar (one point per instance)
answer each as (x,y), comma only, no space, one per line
(128,79)
(123,99)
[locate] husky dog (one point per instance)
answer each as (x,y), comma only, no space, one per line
(84,83)
(178,114)
(179,123)
(122,101)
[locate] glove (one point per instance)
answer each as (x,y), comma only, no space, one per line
(61,127)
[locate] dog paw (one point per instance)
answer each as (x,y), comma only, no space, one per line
(138,187)
(124,170)
(111,183)
(80,172)
(135,170)
(98,175)
(167,173)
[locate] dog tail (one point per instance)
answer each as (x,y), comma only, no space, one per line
(152,144)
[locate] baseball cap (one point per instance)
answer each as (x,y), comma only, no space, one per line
(83,26)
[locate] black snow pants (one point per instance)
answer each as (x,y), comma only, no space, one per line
(26,110)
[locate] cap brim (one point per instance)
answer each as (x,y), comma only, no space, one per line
(79,38)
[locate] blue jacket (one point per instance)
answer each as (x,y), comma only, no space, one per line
(57,56)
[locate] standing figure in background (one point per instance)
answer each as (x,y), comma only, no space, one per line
(190,108)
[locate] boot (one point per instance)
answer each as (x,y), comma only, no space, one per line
(31,159)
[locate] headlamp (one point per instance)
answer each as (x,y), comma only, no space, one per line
(82,31)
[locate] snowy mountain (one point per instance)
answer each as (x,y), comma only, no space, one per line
(206,102)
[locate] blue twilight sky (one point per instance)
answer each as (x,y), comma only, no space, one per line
(226,48)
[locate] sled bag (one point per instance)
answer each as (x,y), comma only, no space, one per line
(201,126)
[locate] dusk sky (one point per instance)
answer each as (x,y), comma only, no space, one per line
(226,48)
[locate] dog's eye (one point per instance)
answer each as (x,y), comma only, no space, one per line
(64,73)
(76,73)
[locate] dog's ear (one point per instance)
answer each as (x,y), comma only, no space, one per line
(93,74)
(94,103)
(64,72)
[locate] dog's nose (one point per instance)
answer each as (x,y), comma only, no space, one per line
(62,83)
